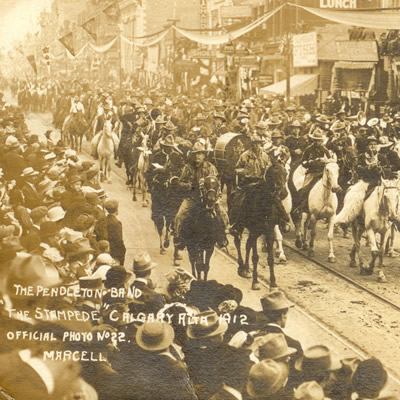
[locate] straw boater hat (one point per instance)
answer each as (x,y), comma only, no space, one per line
(208,325)
(28,172)
(317,134)
(372,122)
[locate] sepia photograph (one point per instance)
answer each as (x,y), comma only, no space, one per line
(199,200)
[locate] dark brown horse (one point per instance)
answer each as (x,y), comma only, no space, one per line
(259,215)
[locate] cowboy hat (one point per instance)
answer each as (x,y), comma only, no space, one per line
(199,147)
(261,125)
(220,116)
(169,126)
(168,141)
(160,120)
(208,324)
(338,126)
(12,142)
(384,142)
(267,378)
(273,346)
(296,124)
(290,109)
(273,121)
(309,391)
(317,358)
(256,139)
(371,138)
(155,336)
(142,262)
(323,119)
(56,214)
(73,179)
(80,246)
(318,134)
(372,122)
(276,133)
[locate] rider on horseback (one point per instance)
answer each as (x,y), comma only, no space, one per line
(312,160)
(191,180)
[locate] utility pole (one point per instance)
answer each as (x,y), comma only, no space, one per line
(173,23)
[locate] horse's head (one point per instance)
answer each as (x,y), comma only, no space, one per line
(331,175)
(210,191)
(390,198)
(276,178)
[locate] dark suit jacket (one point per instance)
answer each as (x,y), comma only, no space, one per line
(152,301)
(13,164)
(114,232)
(32,198)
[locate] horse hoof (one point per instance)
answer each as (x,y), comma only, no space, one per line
(332,259)
(382,277)
(366,271)
(311,253)
(255,286)
(298,243)
(273,285)
(244,273)
(177,262)
(166,243)
(134,198)
(282,260)
(145,204)
(393,254)
(162,251)
(353,264)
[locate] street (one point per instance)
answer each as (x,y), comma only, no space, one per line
(327,309)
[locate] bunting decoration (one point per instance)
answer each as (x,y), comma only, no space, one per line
(32,61)
(113,11)
(68,42)
(141,43)
(90,27)
(105,47)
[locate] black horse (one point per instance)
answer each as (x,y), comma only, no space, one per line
(204,228)
(259,213)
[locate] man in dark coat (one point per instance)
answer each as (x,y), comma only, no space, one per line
(12,163)
(114,232)
(32,198)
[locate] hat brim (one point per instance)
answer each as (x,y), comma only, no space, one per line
(164,344)
(222,328)
(384,145)
(335,364)
(148,267)
(316,138)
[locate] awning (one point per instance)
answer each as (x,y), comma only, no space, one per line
(299,85)
(354,65)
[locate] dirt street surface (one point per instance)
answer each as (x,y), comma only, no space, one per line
(328,310)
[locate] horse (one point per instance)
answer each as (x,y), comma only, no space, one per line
(203,229)
(73,130)
(322,203)
(259,215)
(104,146)
(139,176)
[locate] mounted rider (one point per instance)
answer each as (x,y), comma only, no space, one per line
(278,152)
(191,180)
(313,162)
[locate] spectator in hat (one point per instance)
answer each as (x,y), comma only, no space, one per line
(142,268)
(16,201)
(31,239)
(12,161)
(309,391)
(85,224)
(96,210)
(114,232)
(79,254)
(73,194)
(32,198)
(208,357)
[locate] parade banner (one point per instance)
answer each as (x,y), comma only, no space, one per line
(90,27)
(113,11)
(105,47)
(227,37)
(32,61)
(378,19)
(141,43)
(68,42)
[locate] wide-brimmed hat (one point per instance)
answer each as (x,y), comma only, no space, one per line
(387,119)
(309,391)
(267,378)
(317,358)
(101,272)
(276,133)
(317,134)
(116,276)
(78,247)
(208,324)
(29,171)
(384,142)
(48,229)
(168,141)
(323,119)
(12,142)
(273,346)
(38,213)
(370,139)
(199,147)
(142,262)
(169,126)
(372,122)
(256,138)
(160,120)
(290,109)
(155,336)
(73,179)
(105,258)
(296,124)
(220,115)
(338,126)
(55,214)
(261,125)
(200,117)
(275,301)
(273,121)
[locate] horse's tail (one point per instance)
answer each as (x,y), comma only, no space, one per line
(353,203)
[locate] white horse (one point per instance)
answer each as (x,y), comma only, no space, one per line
(139,178)
(322,204)
(104,146)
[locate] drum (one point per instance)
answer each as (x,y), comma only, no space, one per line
(229,147)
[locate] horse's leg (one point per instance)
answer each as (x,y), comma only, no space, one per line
(244,273)
(305,222)
(109,169)
(384,239)
(297,220)
(374,252)
(331,224)
(255,258)
(279,240)
(192,251)
(269,236)
(207,257)
(356,245)
(391,251)
(134,183)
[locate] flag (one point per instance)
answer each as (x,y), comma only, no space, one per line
(113,11)
(46,50)
(68,42)
(32,61)
(90,27)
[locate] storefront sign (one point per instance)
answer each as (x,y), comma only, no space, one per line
(305,50)
(338,3)
(203,14)
(360,50)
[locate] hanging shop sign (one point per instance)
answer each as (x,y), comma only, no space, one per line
(305,50)
(359,50)
(338,4)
